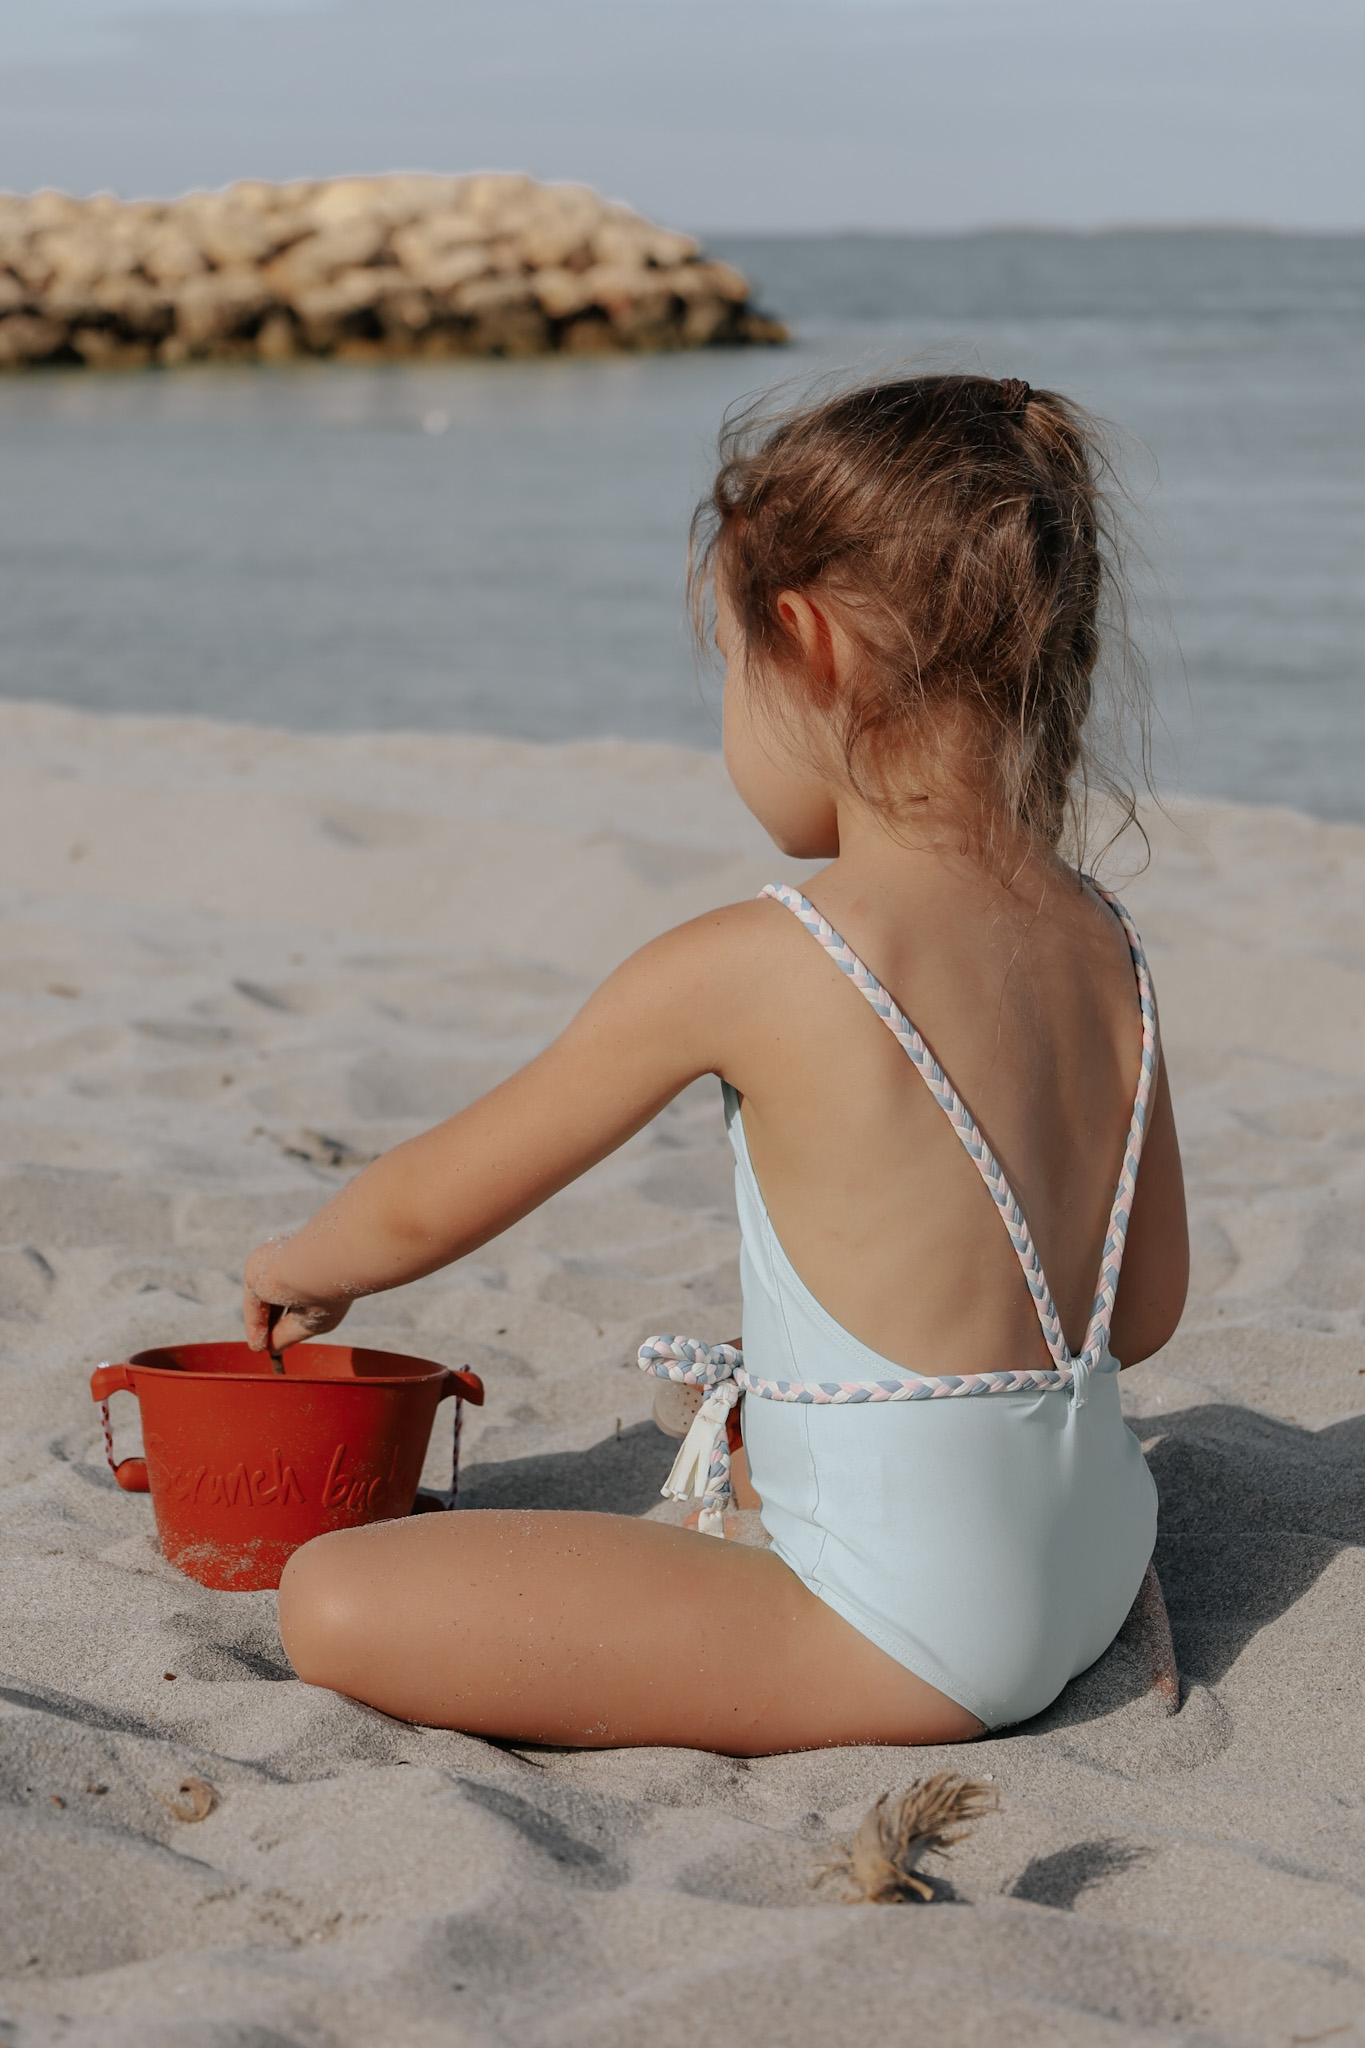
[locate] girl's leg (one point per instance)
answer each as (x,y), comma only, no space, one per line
(594,1630)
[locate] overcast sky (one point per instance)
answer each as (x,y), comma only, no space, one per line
(716,113)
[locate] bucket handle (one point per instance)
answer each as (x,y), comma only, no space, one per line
(106,1379)
(465,1385)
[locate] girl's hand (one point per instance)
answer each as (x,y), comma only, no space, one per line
(274,1321)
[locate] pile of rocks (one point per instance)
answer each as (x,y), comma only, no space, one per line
(360,267)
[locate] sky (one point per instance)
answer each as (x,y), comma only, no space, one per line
(717,114)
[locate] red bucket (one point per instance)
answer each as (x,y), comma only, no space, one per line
(245,1462)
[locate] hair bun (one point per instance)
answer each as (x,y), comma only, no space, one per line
(1016,394)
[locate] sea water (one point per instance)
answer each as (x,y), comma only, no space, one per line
(500,547)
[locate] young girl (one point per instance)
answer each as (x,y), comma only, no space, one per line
(908,584)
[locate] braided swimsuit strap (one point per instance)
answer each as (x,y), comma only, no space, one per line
(702,1467)
(1111,1260)
(949,1101)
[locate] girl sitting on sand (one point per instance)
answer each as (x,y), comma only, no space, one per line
(908,583)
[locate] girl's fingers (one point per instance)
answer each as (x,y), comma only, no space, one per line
(291,1327)
(271,1324)
(295,1325)
(256,1316)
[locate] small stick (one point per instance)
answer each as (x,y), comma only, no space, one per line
(276,1357)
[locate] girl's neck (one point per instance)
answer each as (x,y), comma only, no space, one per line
(930,845)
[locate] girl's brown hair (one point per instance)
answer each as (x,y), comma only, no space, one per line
(960,529)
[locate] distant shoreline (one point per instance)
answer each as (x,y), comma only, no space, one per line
(1015,229)
(115,742)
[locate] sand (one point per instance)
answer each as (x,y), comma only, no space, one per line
(215,942)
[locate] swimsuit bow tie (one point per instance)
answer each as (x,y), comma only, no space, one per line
(701,1469)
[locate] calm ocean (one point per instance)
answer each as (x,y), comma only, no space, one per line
(499,547)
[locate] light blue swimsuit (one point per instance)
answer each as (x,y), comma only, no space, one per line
(993,1546)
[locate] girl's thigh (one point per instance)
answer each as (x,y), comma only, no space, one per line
(597,1630)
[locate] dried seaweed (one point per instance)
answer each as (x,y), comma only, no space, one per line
(899,1830)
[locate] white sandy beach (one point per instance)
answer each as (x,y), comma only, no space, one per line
(214,942)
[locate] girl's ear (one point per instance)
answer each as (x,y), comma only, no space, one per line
(809,626)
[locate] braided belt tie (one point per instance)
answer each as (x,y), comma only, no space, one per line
(701,1469)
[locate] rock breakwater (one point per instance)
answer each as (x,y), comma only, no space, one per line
(410,265)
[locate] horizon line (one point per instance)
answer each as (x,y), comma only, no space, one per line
(1213,224)
(1025,227)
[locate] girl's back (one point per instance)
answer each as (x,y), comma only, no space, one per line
(1026,996)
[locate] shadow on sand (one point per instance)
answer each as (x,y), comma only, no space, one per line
(620,1476)
(1253,1510)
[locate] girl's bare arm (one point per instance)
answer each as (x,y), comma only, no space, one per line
(654,1025)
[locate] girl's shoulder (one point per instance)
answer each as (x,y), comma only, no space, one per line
(697,985)
(732,940)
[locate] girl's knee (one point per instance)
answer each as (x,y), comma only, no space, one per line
(322,1612)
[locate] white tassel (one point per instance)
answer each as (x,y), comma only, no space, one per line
(692,1466)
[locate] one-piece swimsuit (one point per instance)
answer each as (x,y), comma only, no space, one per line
(989,1531)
